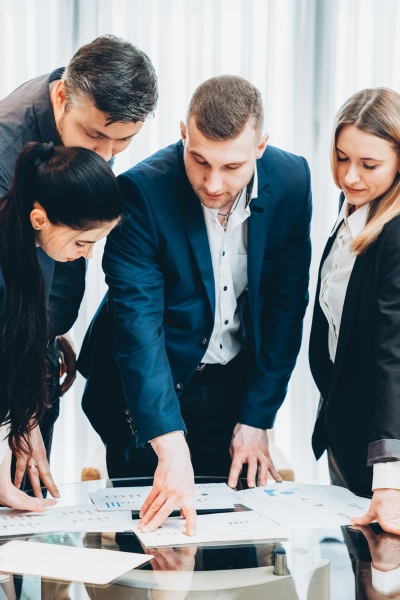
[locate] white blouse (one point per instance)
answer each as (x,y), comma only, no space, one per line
(337,268)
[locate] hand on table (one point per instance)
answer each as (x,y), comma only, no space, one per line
(13,497)
(384,508)
(249,446)
(173,485)
(68,362)
(35,462)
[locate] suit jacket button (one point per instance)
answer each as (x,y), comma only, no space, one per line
(203,341)
(178,386)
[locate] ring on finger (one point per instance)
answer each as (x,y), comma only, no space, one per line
(32,466)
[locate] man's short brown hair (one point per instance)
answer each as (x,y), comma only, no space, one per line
(221,107)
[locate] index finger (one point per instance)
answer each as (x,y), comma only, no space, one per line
(236,469)
(149,501)
(189,512)
(20,469)
(159,517)
(47,479)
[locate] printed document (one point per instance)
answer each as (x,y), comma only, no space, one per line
(244,526)
(67,518)
(207,496)
(302,506)
(68,563)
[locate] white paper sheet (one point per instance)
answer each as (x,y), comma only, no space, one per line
(302,506)
(207,496)
(67,518)
(243,526)
(67,563)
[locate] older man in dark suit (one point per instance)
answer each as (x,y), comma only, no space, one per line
(99,102)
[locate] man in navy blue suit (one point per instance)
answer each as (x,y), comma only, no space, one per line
(208,279)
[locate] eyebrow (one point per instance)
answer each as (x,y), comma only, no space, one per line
(95,131)
(362,158)
(202,158)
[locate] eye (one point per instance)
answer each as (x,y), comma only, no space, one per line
(342,159)
(200,162)
(93,137)
(370,168)
(231,168)
(80,245)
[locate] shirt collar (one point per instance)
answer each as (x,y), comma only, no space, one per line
(241,199)
(355,221)
(44,110)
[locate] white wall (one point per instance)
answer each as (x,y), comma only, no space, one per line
(306,57)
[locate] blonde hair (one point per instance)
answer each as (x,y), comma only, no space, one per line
(377,112)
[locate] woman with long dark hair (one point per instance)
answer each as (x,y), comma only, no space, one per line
(355,336)
(61,202)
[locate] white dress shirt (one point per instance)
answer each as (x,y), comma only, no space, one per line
(229,260)
(337,268)
(335,276)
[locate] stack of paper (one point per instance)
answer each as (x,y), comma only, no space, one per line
(68,563)
(243,526)
(207,496)
(302,506)
(73,518)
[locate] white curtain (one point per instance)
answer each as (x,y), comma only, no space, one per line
(305,56)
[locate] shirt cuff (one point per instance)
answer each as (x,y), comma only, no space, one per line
(386,582)
(386,475)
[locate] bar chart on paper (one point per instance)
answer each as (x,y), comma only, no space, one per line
(303,506)
(207,496)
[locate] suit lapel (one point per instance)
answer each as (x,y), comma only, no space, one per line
(349,309)
(198,239)
(259,225)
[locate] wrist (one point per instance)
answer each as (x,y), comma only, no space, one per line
(168,443)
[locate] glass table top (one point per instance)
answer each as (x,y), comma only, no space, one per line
(322,564)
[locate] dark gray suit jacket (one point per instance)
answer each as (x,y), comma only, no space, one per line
(26,115)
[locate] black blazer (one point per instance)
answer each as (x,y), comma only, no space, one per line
(359,412)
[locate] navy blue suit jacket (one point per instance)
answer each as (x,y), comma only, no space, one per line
(162,300)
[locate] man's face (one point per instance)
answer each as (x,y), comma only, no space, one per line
(85,126)
(218,171)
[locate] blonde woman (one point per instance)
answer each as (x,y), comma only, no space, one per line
(355,337)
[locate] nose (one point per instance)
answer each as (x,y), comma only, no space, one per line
(352,176)
(105,150)
(213,183)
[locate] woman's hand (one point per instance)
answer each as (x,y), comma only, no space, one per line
(384,508)
(35,462)
(68,362)
(13,497)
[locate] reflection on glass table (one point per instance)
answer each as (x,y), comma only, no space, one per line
(319,564)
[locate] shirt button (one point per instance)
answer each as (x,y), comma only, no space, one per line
(226,322)
(223,254)
(203,341)
(225,288)
(178,386)
(220,346)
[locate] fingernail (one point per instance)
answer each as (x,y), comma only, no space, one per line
(145,529)
(252,484)
(192,532)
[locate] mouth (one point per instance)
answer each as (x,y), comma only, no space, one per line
(353,190)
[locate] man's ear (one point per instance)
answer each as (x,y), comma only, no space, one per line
(262,145)
(183,131)
(59,96)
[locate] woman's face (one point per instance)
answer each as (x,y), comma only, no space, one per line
(63,243)
(366,165)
